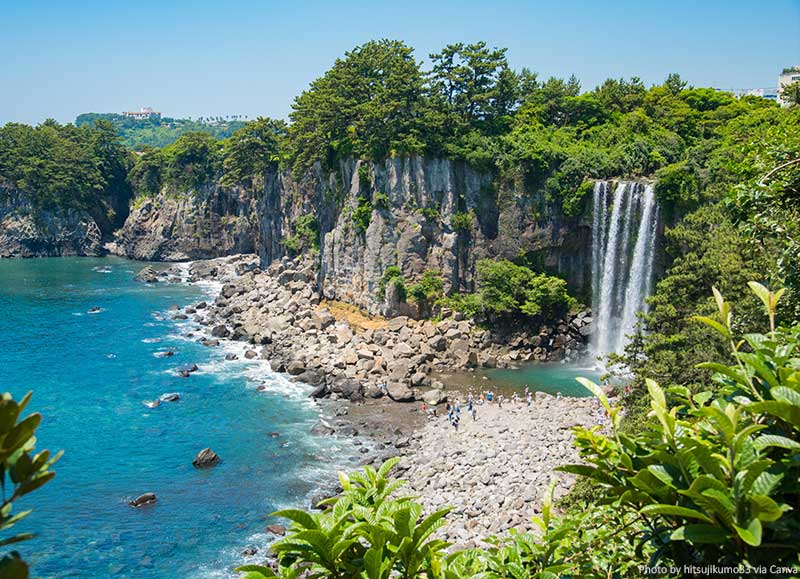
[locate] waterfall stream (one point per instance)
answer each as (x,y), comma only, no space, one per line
(624,229)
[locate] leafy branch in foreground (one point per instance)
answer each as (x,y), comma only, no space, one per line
(715,477)
(21,472)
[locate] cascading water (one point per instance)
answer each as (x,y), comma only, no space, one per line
(624,229)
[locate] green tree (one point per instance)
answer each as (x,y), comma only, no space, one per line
(475,87)
(367,106)
(192,161)
(251,150)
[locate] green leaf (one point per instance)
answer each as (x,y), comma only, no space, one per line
(701,534)
(301,517)
(765,509)
(762,293)
(675,511)
(751,534)
(768,440)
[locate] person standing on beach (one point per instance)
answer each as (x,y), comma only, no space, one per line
(456,420)
(529,397)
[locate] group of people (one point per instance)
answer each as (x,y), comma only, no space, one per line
(472,403)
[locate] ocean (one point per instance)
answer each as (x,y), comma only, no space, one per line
(90,374)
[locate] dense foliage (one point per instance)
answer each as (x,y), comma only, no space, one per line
(198,159)
(157,131)
(747,228)
(62,167)
(21,472)
(507,290)
(715,480)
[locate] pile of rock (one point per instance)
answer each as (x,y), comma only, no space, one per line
(281,311)
(495,471)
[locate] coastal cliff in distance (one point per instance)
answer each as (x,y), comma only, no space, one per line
(412,212)
(212,222)
(28,230)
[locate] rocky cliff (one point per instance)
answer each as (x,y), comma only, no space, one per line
(417,214)
(26,231)
(212,222)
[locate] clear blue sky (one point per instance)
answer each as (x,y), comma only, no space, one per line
(62,58)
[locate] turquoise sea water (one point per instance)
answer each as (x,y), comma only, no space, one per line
(90,374)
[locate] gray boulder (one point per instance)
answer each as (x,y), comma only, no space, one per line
(206,458)
(399,392)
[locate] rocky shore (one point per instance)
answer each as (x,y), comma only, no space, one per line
(345,353)
(494,471)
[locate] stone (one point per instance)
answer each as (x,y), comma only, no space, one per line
(399,392)
(295,367)
(147,275)
(220,331)
(433,396)
(322,429)
(250,354)
(206,458)
(170,397)
(143,500)
(279,530)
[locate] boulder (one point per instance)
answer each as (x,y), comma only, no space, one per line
(319,392)
(347,388)
(206,458)
(147,275)
(220,331)
(279,530)
(438,343)
(143,500)
(433,396)
(250,354)
(399,392)
(170,397)
(322,429)
(295,367)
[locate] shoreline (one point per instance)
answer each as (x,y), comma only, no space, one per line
(493,472)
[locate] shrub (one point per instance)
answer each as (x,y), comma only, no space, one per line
(22,473)
(362,215)
(462,221)
(307,230)
(430,213)
(381,201)
(715,476)
(428,291)
(393,276)
(506,289)
(364,178)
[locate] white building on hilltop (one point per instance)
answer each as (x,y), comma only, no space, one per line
(143,113)
(788,76)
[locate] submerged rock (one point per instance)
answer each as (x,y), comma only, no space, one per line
(143,500)
(206,458)
(170,397)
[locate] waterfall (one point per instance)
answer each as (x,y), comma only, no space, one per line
(623,253)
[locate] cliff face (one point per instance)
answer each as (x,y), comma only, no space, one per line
(26,231)
(209,223)
(417,222)
(412,212)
